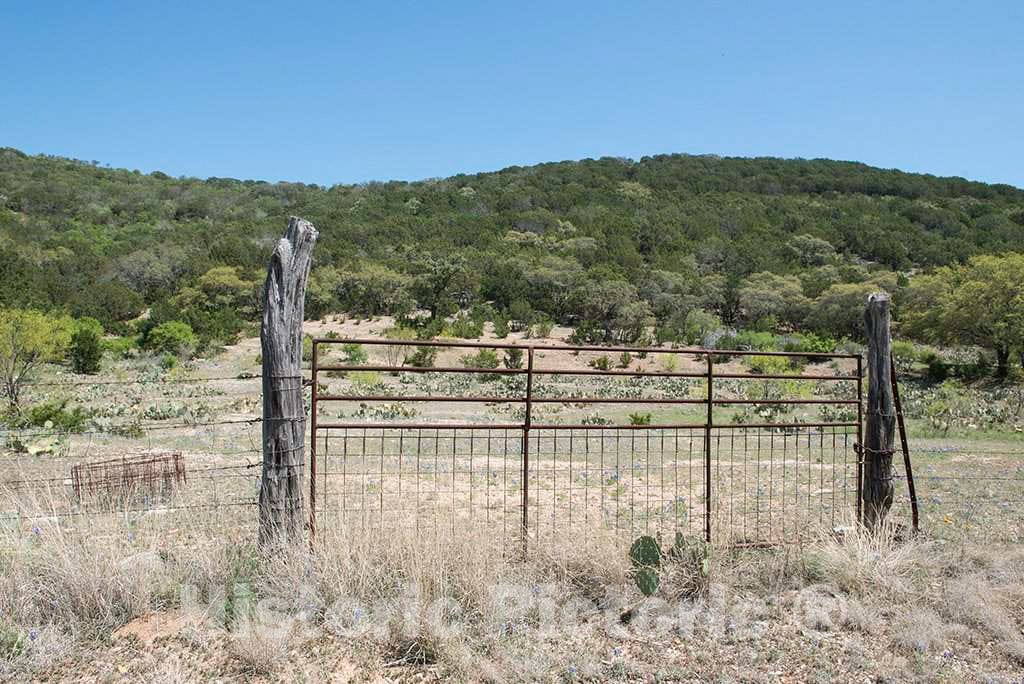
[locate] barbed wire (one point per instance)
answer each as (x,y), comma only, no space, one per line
(189,507)
(144,381)
(126,427)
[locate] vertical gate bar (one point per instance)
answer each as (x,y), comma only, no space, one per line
(912,491)
(526,444)
(860,434)
(312,443)
(707,452)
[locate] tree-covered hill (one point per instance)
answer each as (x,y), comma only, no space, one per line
(609,245)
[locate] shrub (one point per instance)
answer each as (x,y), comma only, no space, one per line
(86,351)
(542,328)
(173,337)
(423,357)
(639,418)
(756,341)
(485,358)
(501,329)
(938,370)
(366,381)
(482,313)
(625,358)
(124,347)
(809,342)
(464,327)
(513,358)
(601,363)
(768,365)
(354,353)
(56,415)
(398,353)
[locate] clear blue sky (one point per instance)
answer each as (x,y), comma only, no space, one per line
(344,92)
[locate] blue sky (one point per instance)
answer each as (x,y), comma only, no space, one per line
(346,92)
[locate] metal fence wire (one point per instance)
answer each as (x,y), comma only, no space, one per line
(537,444)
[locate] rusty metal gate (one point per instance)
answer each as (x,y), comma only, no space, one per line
(548,440)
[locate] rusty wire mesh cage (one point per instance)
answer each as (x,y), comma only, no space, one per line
(136,479)
(553,439)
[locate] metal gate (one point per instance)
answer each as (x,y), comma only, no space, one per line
(549,440)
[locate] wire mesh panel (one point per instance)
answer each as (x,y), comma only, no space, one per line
(778,484)
(423,477)
(551,441)
(633,479)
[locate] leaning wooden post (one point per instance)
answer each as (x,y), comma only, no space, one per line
(284,415)
(880,428)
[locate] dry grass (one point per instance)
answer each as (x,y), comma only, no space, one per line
(467,605)
(879,564)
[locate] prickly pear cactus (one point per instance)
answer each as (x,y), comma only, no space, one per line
(646,556)
(647,580)
(645,552)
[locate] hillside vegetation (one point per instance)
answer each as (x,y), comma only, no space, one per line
(679,244)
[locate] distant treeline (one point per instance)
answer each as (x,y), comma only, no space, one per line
(608,246)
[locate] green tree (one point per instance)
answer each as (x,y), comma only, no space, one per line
(86,351)
(979,303)
(839,310)
(769,296)
(444,285)
(610,311)
(374,289)
(28,339)
(172,337)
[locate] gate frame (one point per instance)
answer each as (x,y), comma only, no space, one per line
(527,400)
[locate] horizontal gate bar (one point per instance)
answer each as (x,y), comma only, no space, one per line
(552,371)
(567,426)
(571,400)
(569,347)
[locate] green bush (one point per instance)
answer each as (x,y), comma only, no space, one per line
(173,337)
(769,365)
(464,327)
(542,328)
(513,358)
(938,370)
(625,358)
(55,415)
(501,329)
(485,358)
(809,342)
(755,341)
(602,363)
(124,347)
(86,352)
(354,353)
(422,357)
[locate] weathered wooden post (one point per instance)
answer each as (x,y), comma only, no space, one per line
(880,424)
(284,416)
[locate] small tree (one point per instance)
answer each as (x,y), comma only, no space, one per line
(86,352)
(171,337)
(28,339)
(979,303)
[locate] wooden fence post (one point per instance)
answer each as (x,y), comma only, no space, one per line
(880,428)
(284,415)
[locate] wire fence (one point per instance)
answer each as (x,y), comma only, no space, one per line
(637,477)
(967,493)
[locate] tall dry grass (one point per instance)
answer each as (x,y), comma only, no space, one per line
(467,601)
